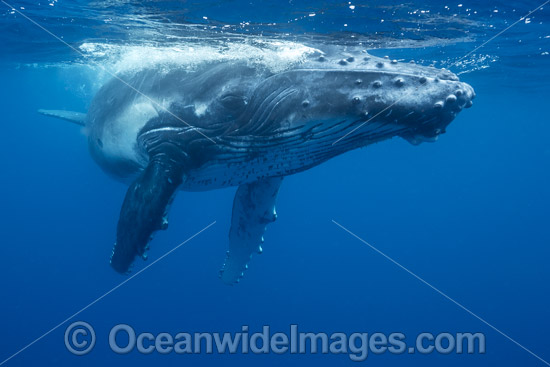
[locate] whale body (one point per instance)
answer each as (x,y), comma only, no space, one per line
(233,123)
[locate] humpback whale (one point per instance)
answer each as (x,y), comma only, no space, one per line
(221,123)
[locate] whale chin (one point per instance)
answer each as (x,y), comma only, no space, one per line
(417,139)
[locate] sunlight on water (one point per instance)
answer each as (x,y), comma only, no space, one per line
(274,55)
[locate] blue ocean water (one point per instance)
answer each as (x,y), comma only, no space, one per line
(468,214)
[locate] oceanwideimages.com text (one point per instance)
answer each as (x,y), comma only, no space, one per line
(80,339)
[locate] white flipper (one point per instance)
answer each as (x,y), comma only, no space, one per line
(74,117)
(253,210)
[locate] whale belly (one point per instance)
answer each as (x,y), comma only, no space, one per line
(238,160)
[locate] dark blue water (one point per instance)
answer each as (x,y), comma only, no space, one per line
(468,214)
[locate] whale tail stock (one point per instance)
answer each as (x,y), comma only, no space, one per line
(78,118)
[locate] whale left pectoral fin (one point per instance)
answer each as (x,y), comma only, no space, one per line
(146,205)
(253,210)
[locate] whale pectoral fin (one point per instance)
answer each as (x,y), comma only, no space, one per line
(146,204)
(253,210)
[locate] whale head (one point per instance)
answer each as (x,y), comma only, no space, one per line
(357,100)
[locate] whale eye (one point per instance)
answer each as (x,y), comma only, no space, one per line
(233,101)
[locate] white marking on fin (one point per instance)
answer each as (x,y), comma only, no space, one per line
(253,210)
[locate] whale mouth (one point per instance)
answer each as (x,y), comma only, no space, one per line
(418,138)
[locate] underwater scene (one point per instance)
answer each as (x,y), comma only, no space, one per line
(275,183)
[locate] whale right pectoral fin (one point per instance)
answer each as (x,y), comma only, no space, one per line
(253,210)
(146,204)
